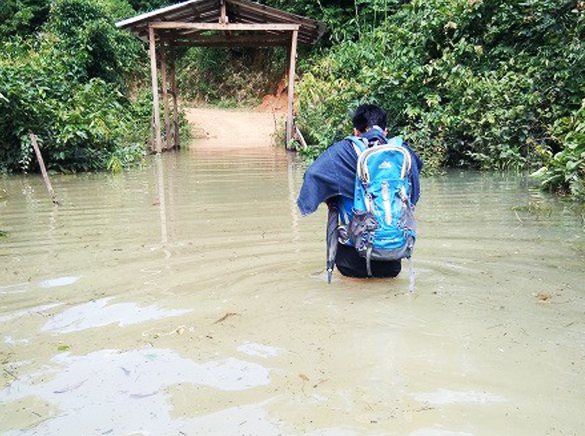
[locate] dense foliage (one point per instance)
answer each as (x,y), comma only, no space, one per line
(229,77)
(491,84)
(63,75)
(22,17)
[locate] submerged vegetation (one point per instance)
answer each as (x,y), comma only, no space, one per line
(469,83)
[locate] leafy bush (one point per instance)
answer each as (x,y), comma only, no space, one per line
(493,84)
(93,47)
(229,77)
(22,17)
(78,124)
(67,87)
(25,17)
(565,170)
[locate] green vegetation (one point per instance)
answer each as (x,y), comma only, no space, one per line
(229,77)
(492,85)
(22,17)
(469,83)
(63,76)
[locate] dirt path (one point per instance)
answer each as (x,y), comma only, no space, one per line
(233,127)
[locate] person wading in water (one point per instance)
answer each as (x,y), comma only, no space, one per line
(331,179)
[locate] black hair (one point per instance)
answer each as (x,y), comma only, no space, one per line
(367,116)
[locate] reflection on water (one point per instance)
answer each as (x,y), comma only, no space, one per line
(445,396)
(99,313)
(118,385)
(253,349)
(436,432)
(61,281)
(28,312)
(188,297)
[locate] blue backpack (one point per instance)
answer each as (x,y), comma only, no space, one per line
(379,222)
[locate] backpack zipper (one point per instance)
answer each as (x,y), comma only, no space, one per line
(362,161)
(386,200)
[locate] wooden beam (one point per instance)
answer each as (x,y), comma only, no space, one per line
(235,44)
(229,26)
(165,91)
(176,140)
(237,38)
(234,41)
(291,84)
(154,79)
(180,34)
(171,35)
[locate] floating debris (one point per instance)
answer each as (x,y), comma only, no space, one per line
(226,316)
(543,297)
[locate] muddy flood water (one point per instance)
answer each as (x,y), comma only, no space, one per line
(189,297)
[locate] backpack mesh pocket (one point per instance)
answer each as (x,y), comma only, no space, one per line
(362,229)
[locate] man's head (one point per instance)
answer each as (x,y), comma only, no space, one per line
(367,116)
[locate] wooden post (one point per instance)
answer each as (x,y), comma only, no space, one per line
(35,145)
(223,12)
(291,84)
(154,79)
(165,92)
(176,139)
(223,18)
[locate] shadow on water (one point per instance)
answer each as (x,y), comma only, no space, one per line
(189,297)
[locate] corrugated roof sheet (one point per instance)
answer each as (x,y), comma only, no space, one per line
(237,11)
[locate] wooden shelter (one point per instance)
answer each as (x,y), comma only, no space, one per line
(216,23)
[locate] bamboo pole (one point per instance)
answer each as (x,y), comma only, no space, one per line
(165,93)
(46,179)
(291,84)
(176,139)
(154,79)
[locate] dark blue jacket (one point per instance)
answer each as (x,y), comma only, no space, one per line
(333,174)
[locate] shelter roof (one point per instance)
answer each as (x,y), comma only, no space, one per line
(190,22)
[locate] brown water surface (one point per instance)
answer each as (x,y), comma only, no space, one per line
(189,297)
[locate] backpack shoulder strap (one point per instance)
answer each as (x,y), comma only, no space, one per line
(358,143)
(397,141)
